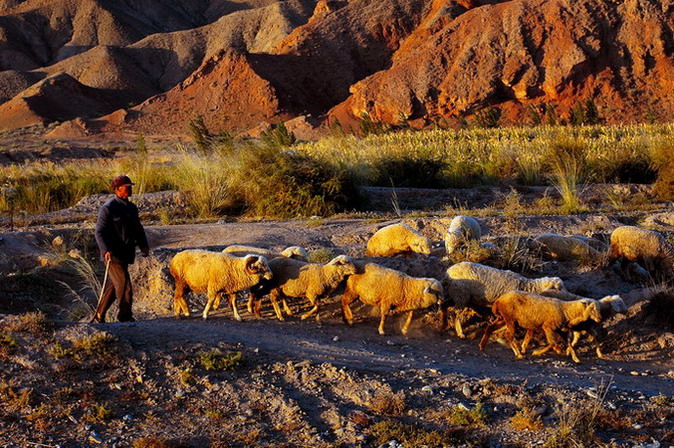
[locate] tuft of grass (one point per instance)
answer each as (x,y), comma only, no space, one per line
(461,416)
(153,442)
(386,402)
(472,251)
(320,256)
(569,172)
(216,361)
(13,400)
(408,435)
(98,413)
(578,421)
(525,420)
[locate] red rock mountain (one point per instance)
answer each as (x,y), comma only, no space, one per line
(149,66)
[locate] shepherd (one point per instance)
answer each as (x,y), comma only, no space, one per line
(118,232)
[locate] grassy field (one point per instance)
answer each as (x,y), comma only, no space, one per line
(271,178)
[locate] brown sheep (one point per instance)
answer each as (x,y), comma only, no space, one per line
(534,312)
(390,290)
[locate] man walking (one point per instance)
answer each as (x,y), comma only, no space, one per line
(118,232)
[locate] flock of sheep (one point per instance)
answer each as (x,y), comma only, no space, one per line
(537,306)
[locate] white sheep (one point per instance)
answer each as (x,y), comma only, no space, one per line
(609,306)
(473,285)
(293,278)
(214,273)
(648,247)
(295,252)
(461,230)
(534,312)
(565,247)
(397,239)
(390,290)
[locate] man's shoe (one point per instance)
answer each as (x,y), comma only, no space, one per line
(97,319)
(130,319)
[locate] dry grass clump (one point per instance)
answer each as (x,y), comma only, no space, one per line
(155,442)
(216,361)
(408,435)
(460,415)
(472,251)
(526,420)
(320,256)
(99,346)
(34,323)
(386,402)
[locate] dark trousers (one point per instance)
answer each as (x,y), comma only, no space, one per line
(119,287)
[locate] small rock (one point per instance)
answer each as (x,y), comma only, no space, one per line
(541,410)
(390,342)
(128,417)
(592,393)
(637,426)
(335,339)
(634,373)
(180,393)
(427,389)
(95,437)
(466,391)
(611,405)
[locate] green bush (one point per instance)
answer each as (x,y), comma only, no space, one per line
(216,361)
(286,184)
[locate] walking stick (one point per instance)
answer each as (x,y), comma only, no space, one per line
(100,296)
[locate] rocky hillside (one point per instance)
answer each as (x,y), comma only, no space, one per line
(150,66)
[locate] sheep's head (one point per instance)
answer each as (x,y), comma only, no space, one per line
(432,294)
(296,253)
(421,245)
(257,265)
(344,264)
(592,311)
(617,304)
(550,283)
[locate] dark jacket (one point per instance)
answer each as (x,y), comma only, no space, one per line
(119,230)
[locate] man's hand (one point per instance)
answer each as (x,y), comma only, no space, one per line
(145,252)
(107,256)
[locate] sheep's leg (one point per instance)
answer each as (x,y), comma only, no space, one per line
(232,304)
(211,295)
(488,331)
(179,302)
(552,343)
(444,319)
(527,338)
(457,325)
(250,303)
(510,337)
(573,354)
(286,308)
(348,297)
(408,322)
(216,303)
(273,295)
(383,311)
(313,301)
(576,338)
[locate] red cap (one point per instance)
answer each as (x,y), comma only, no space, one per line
(120,181)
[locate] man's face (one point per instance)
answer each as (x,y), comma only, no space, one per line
(124,191)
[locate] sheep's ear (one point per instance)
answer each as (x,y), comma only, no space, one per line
(251,260)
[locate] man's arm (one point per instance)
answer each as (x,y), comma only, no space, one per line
(101,231)
(141,238)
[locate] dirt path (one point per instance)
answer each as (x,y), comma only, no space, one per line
(360,348)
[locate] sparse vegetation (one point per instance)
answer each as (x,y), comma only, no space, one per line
(408,435)
(462,416)
(216,361)
(386,402)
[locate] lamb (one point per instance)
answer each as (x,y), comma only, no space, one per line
(461,230)
(534,312)
(608,307)
(647,247)
(565,247)
(390,290)
(295,252)
(397,239)
(215,273)
(293,278)
(477,286)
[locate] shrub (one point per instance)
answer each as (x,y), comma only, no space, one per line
(569,171)
(277,136)
(409,171)
(488,118)
(321,256)
(284,184)
(526,420)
